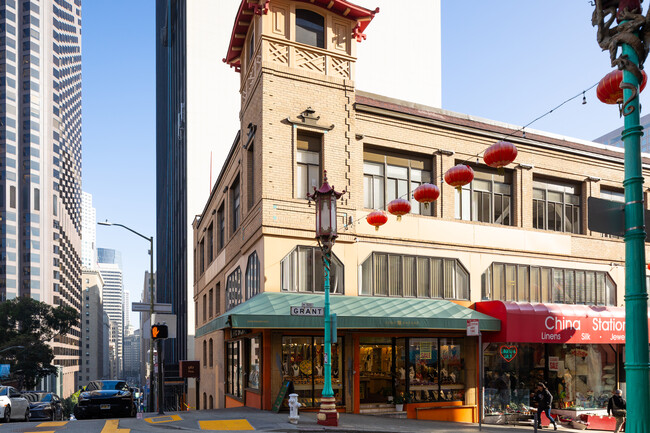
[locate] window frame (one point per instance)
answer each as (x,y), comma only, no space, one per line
(221,226)
(443,280)
(306,14)
(252,275)
(468,194)
(544,204)
(603,293)
(291,273)
(233,289)
(235,204)
(309,144)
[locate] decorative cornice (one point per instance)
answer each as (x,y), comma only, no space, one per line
(308,118)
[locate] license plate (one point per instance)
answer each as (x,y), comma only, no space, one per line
(105,406)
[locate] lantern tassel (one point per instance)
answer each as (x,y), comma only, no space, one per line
(399,217)
(501,171)
(376,228)
(459,189)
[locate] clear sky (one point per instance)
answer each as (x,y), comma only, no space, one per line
(509,61)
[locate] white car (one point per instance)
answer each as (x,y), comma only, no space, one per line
(13,405)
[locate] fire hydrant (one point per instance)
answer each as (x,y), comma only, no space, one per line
(293,408)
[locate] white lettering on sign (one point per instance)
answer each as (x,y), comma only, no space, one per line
(610,324)
(547,336)
(560,323)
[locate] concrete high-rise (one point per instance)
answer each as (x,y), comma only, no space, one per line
(40,161)
(88,232)
(109,263)
(92,328)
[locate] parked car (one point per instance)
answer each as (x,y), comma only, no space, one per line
(13,406)
(44,405)
(105,398)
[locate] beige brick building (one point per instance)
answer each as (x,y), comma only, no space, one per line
(402,293)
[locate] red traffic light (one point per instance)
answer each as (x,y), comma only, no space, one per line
(158,332)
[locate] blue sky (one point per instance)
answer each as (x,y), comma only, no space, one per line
(509,61)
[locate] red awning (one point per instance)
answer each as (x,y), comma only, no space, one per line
(247,8)
(555,323)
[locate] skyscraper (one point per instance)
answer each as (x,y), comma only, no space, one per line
(88,231)
(109,263)
(40,160)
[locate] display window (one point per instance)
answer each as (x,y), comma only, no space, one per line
(254,372)
(234,373)
(580,377)
(303,364)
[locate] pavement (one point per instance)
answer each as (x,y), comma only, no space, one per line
(247,419)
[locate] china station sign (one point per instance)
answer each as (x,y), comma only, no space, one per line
(555,323)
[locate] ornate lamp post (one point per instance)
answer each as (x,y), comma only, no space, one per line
(325,198)
(630,35)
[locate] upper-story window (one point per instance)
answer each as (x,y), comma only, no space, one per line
(310,28)
(387,176)
(235,204)
(233,289)
(252,275)
(302,271)
(384,274)
(221,226)
(523,283)
(307,163)
(487,198)
(556,206)
(210,245)
(251,45)
(612,195)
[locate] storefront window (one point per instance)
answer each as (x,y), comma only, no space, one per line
(302,363)
(254,363)
(436,370)
(580,377)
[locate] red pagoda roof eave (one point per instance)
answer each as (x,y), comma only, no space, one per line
(357,13)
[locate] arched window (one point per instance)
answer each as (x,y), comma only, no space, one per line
(310,28)
(205,353)
(211,406)
(252,276)
(211,355)
(205,401)
(302,271)
(233,289)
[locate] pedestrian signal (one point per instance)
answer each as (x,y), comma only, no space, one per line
(158,332)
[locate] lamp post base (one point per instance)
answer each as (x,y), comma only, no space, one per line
(328,415)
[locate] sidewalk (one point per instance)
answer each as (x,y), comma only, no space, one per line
(265,421)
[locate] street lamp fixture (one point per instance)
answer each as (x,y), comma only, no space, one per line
(326,233)
(151,310)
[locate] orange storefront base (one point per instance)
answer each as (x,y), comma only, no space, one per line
(443,411)
(231,402)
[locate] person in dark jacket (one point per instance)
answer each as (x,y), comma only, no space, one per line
(617,407)
(543,398)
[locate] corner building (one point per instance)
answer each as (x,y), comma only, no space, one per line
(508,249)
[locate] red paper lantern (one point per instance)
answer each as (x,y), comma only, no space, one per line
(609,88)
(459,176)
(399,207)
(426,193)
(500,154)
(377,218)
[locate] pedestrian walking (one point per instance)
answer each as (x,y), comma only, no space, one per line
(617,407)
(543,398)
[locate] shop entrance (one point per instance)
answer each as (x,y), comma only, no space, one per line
(379,359)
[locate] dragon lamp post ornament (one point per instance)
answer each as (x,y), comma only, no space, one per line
(632,29)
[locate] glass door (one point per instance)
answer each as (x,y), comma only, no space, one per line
(376,370)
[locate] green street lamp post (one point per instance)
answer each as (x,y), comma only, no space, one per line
(151,304)
(633,52)
(326,232)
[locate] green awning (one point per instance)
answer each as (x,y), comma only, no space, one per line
(272,310)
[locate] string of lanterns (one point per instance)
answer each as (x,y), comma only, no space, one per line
(498,155)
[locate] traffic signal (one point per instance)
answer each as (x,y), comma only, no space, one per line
(158,331)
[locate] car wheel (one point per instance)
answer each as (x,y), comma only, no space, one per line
(134,411)
(7,416)
(26,419)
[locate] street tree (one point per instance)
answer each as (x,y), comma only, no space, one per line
(29,325)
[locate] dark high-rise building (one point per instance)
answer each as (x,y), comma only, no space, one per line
(172,225)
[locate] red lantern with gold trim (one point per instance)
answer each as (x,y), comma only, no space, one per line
(426,193)
(609,88)
(459,176)
(399,207)
(377,218)
(499,155)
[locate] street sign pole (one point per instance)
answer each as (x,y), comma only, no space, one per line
(161,384)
